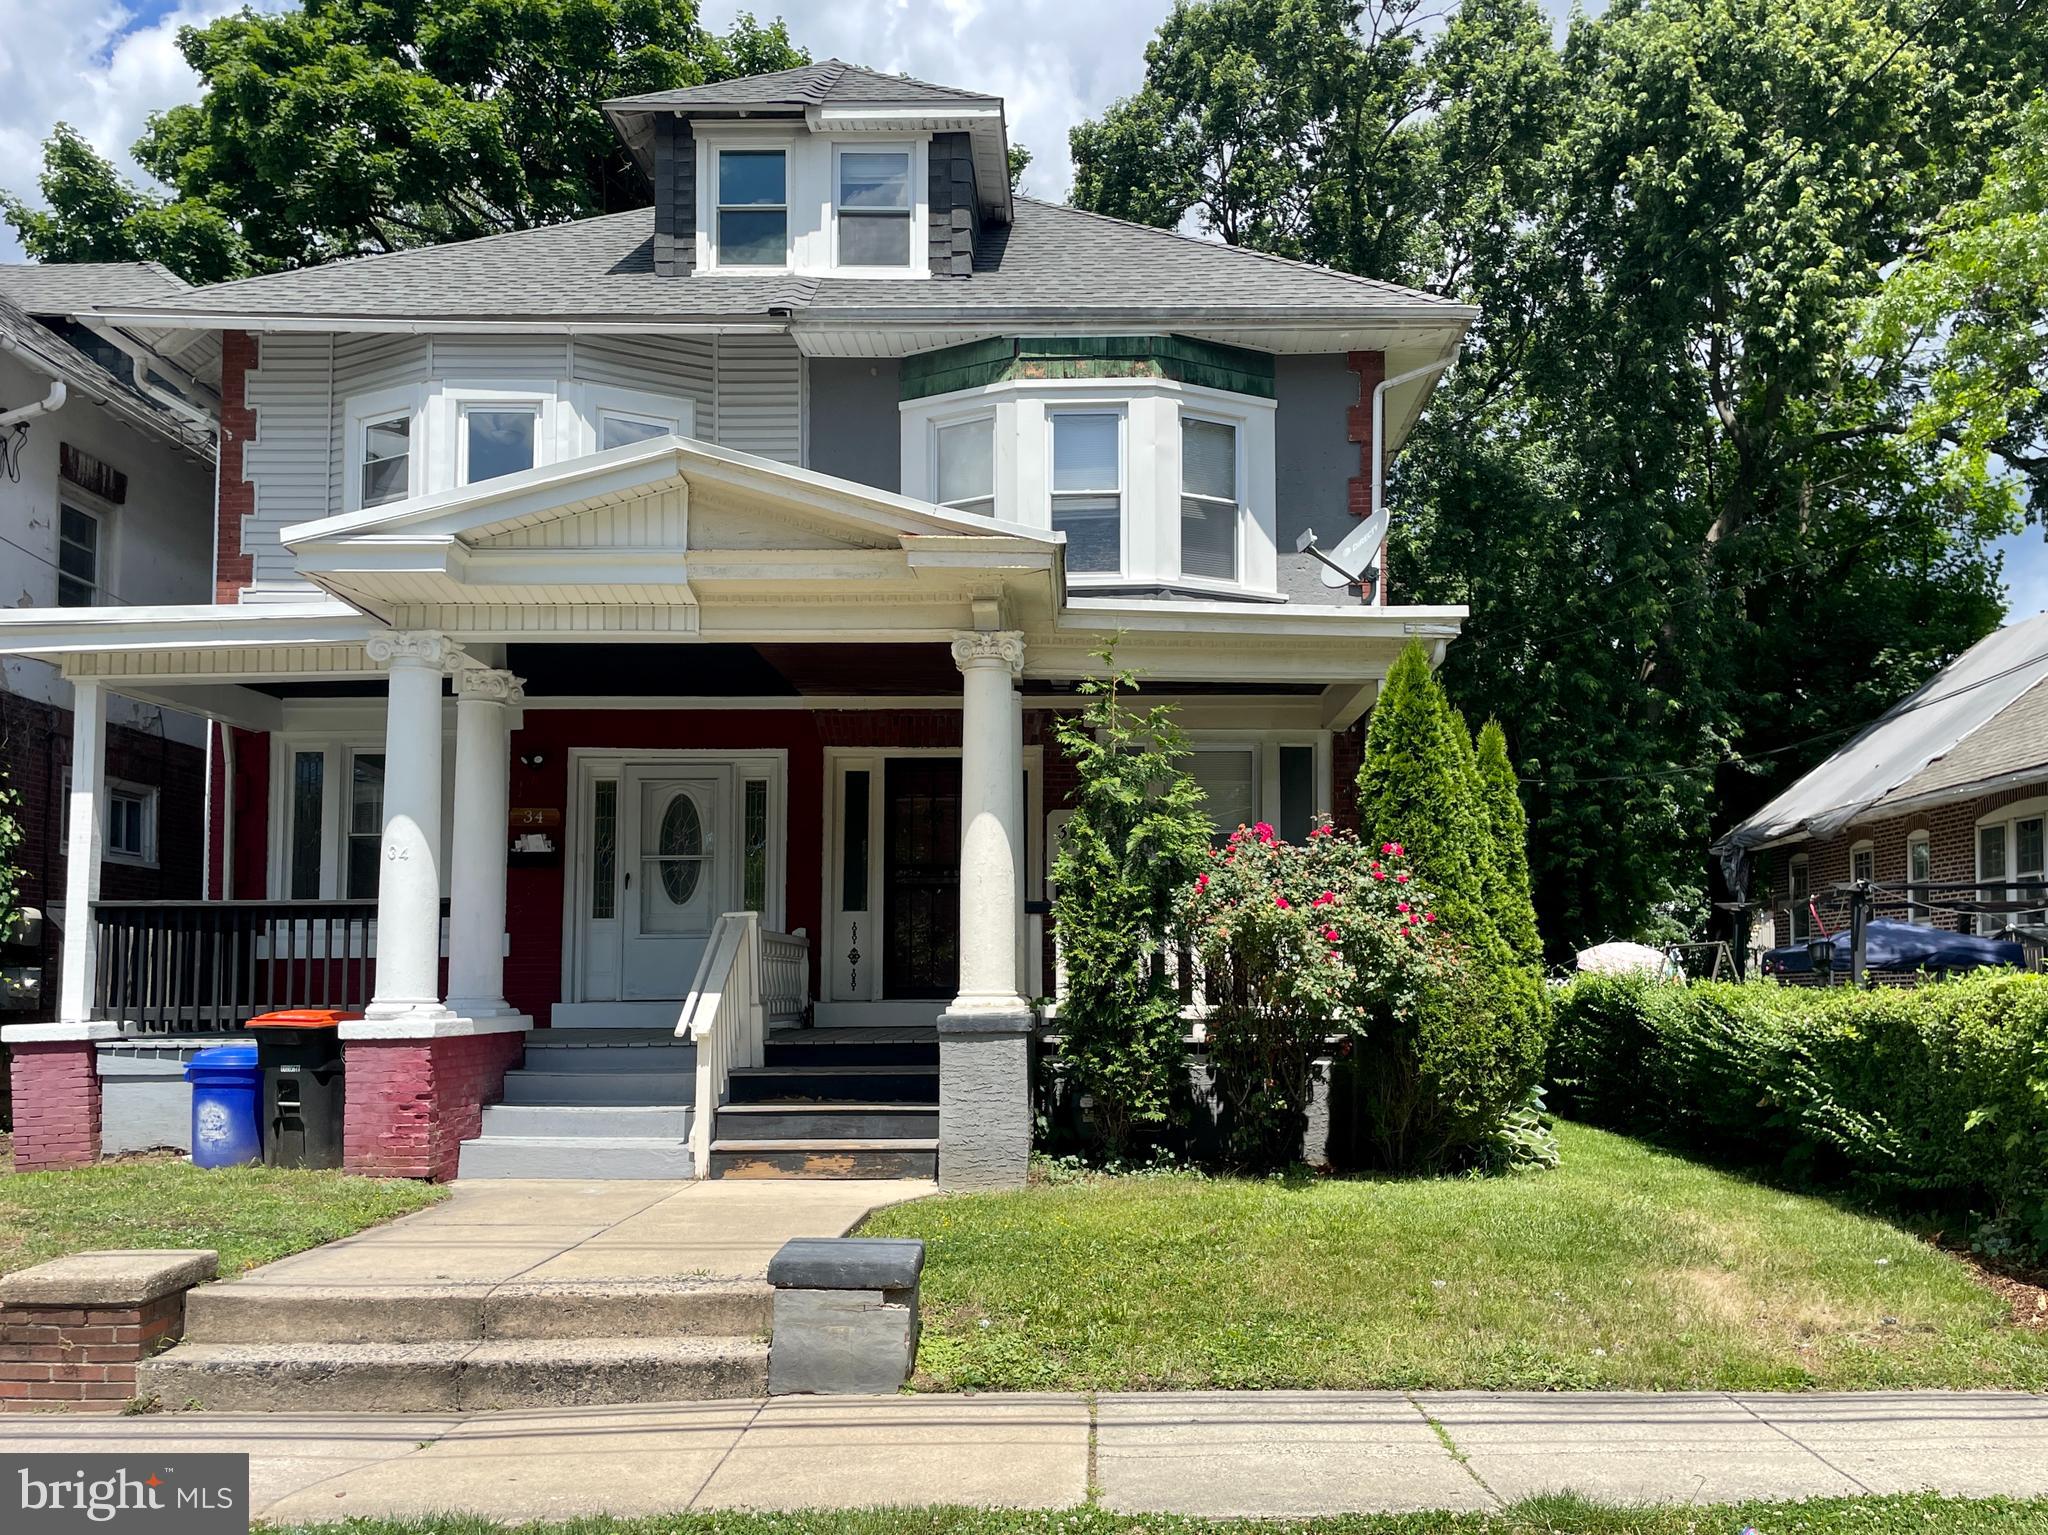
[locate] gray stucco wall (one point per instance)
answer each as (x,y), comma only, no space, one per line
(854,429)
(144,1102)
(1315,458)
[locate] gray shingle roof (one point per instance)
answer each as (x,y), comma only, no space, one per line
(829,81)
(67,287)
(1053,262)
(53,356)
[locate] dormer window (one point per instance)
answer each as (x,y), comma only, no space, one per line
(753,207)
(965,473)
(873,204)
(1209,507)
(1087,487)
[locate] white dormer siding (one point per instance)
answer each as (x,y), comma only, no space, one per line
(312,393)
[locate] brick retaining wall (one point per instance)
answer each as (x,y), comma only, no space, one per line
(411,1103)
(56,1104)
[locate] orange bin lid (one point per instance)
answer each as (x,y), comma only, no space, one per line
(302,1018)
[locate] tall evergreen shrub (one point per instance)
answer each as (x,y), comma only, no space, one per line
(1508,824)
(1436,1086)
(1138,833)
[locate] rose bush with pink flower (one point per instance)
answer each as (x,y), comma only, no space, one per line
(1296,944)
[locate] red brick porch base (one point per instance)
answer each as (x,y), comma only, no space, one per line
(73,1330)
(411,1103)
(56,1104)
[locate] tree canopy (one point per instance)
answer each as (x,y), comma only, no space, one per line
(1709,512)
(359,126)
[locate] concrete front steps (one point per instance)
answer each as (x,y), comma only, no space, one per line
(397,1348)
(830,1104)
(591,1103)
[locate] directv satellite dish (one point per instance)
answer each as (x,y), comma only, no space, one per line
(1351,561)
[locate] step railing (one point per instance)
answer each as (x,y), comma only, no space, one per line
(747,980)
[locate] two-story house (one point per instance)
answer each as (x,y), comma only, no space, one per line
(106,500)
(634,635)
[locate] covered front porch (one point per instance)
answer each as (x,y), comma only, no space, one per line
(665,740)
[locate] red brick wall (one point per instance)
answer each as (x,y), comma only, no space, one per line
(1952,851)
(1371,368)
(80,1359)
(56,1105)
(233,569)
(411,1103)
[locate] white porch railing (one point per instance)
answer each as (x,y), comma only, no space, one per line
(747,980)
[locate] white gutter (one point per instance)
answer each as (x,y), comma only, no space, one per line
(47,405)
(365,324)
(1379,421)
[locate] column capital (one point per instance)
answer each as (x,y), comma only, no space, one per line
(492,686)
(1001,647)
(411,647)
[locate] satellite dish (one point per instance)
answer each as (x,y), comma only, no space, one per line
(1351,561)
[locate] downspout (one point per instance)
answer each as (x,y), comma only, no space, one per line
(47,405)
(1379,444)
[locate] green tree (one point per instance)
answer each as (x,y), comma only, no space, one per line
(94,214)
(1418,789)
(353,126)
(1508,827)
(1700,532)
(1137,835)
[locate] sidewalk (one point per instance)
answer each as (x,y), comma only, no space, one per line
(1210,1453)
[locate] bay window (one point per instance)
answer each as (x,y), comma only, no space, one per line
(1208,499)
(753,207)
(1087,488)
(872,200)
(497,440)
(386,466)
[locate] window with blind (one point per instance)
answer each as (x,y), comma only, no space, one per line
(1209,508)
(1087,488)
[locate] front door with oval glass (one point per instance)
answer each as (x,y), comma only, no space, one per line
(676,872)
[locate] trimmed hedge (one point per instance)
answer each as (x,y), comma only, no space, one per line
(1938,1090)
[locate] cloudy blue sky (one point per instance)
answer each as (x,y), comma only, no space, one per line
(104,67)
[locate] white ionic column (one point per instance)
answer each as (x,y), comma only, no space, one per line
(991,822)
(83,850)
(478,841)
(409,877)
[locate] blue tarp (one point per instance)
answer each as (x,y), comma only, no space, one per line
(1902,946)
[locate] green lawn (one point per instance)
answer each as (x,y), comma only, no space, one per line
(1627,1267)
(1923,1515)
(250,1215)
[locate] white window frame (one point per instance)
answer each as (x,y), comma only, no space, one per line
(583,429)
(465,408)
(1920,840)
(1799,919)
(1240,511)
(1265,746)
(150,797)
(977,416)
(339,751)
(100,515)
(2007,819)
(709,206)
(366,410)
(1106,406)
(1864,849)
(915,177)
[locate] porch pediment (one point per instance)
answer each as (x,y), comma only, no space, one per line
(647,533)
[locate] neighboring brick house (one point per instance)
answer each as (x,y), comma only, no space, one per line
(1948,788)
(106,495)
(679,605)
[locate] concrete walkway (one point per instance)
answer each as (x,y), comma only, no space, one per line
(491,1232)
(1218,1454)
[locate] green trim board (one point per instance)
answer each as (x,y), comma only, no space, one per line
(1000,359)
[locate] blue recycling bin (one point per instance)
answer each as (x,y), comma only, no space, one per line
(227,1106)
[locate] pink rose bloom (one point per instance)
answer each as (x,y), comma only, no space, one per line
(1329,935)
(1201,882)
(1401,906)
(1386,847)
(1263,831)
(1282,902)
(1401,879)
(1397,850)
(1378,872)
(1327,898)
(1429,916)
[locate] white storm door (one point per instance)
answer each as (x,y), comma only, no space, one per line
(677,870)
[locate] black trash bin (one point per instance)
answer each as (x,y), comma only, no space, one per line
(299,1053)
